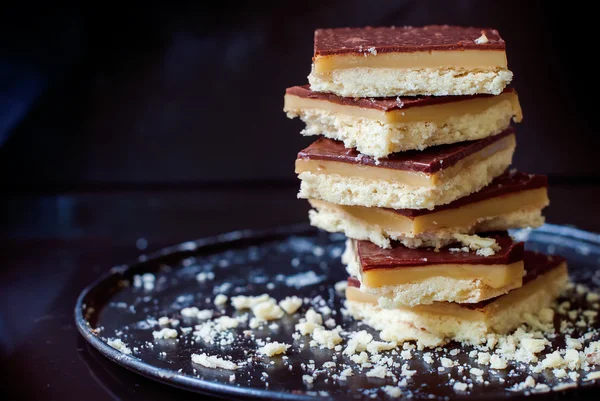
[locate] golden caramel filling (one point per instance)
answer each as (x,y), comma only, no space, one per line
(463,216)
(495,276)
(409,178)
(437,113)
(450,59)
(404,177)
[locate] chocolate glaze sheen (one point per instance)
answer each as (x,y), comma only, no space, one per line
(373,257)
(382,103)
(373,40)
(508,183)
(430,160)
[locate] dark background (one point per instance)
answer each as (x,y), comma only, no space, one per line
(164,122)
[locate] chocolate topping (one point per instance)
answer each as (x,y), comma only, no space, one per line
(370,41)
(382,103)
(536,264)
(430,160)
(508,183)
(353,282)
(373,257)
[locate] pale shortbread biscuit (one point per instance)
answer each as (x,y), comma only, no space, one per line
(334,220)
(379,139)
(454,184)
(450,321)
(428,291)
(386,82)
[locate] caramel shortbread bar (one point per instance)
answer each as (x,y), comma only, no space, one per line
(403,276)
(434,60)
(512,200)
(440,322)
(406,180)
(378,127)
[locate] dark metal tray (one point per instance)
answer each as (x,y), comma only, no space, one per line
(296,260)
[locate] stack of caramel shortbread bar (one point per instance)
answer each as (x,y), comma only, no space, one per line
(413,167)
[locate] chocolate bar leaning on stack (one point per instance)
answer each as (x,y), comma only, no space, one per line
(413,167)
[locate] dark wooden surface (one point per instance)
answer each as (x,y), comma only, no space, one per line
(53,245)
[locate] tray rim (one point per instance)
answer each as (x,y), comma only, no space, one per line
(196,385)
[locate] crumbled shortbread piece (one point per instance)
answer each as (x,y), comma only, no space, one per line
(268,310)
(392,391)
(327,338)
(360,358)
(291,304)
(190,312)
(475,242)
(447,362)
(497,362)
(460,386)
(534,345)
(571,358)
(213,362)
(482,39)
(485,252)
(463,249)
(119,345)
(313,317)
(243,302)
(254,323)
(592,297)
(225,323)
(163,321)
(274,348)
(483,358)
(375,347)
(553,360)
(592,376)
(573,343)
(164,334)
(378,371)
(358,342)
(406,354)
(341,286)
(311,321)
(308,379)
(476,371)
(221,299)
(559,373)
(346,373)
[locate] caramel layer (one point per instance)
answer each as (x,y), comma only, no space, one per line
(437,112)
(495,276)
(462,216)
(455,60)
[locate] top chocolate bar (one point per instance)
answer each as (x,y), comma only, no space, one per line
(436,60)
(404,39)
